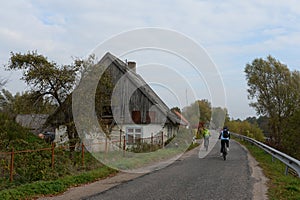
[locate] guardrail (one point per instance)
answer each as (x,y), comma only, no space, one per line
(289,161)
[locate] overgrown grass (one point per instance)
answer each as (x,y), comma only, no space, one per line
(33,174)
(192,146)
(144,157)
(131,161)
(44,188)
(280,186)
(40,188)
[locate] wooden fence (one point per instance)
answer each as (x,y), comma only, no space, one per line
(122,143)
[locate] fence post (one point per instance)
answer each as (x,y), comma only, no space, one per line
(151,146)
(124,145)
(12,155)
(286,170)
(120,145)
(106,144)
(162,139)
(52,155)
(82,154)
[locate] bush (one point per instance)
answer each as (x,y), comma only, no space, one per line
(35,165)
(247,129)
(144,147)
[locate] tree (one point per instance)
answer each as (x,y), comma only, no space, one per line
(245,128)
(275,91)
(218,117)
(2,82)
(198,112)
(48,80)
(6,102)
(25,103)
(291,142)
(262,122)
(45,78)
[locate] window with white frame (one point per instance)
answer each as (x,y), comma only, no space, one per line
(134,135)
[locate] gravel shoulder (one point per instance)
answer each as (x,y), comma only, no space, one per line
(260,188)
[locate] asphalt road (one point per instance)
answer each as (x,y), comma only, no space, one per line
(191,178)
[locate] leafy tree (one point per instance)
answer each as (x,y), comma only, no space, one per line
(45,78)
(245,128)
(205,110)
(262,122)
(6,101)
(25,103)
(218,117)
(291,140)
(251,120)
(198,112)
(276,91)
(2,82)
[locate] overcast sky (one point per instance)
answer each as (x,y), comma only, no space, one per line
(233,33)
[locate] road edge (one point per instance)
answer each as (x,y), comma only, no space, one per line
(260,187)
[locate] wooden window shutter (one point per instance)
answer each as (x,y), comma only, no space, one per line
(136,117)
(150,117)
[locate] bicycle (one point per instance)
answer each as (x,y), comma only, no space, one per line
(224,152)
(206,143)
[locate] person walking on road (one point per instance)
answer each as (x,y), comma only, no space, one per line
(225,137)
(206,135)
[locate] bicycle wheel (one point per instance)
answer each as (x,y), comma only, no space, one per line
(206,142)
(224,153)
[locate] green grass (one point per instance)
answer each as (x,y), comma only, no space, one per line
(59,185)
(40,188)
(131,161)
(280,186)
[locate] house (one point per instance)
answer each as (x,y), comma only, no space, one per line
(126,106)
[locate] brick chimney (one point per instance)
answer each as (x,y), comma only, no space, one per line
(132,66)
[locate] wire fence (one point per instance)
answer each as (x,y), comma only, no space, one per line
(7,159)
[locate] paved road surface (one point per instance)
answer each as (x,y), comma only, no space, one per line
(191,178)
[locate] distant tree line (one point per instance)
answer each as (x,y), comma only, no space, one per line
(247,128)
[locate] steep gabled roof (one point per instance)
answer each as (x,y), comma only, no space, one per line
(137,80)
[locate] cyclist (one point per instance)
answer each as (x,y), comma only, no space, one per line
(206,135)
(225,137)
